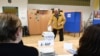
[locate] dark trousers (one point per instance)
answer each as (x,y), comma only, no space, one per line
(61,35)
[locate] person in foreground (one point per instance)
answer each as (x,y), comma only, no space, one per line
(11,36)
(89,44)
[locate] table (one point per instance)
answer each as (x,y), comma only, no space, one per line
(58,47)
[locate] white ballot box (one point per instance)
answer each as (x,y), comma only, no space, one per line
(47,51)
(45,43)
(48,36)
(46,46)
(48,39)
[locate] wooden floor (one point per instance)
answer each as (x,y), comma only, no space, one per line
(35,38)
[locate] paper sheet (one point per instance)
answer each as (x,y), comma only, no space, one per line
(68,46)
(49,28)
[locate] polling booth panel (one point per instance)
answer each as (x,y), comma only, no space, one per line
(73,22)
(96,21)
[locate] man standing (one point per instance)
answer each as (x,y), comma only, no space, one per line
(57,21)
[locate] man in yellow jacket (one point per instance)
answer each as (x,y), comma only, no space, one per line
(57,21)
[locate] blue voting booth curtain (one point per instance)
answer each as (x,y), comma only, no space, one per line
(73,22)
(96,21)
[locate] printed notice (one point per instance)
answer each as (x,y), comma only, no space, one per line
(68,15)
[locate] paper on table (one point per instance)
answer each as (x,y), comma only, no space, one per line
(65,55)
(68,46)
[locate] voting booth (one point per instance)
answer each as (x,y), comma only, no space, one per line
(73,23)
(96,19)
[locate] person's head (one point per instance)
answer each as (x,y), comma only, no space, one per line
(56,11)
(89,44)
(10,28)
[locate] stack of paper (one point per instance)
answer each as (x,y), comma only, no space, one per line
(69,47)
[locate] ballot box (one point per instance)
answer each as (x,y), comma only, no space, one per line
(48,36)
(46,46)
(48,39)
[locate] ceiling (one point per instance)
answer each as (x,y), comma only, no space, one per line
(61,2)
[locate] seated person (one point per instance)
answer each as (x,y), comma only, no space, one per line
(21,42)
(89,44)
(11,36)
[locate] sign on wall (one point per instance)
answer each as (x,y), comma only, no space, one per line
(11,10)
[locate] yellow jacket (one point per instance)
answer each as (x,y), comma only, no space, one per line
(57,23)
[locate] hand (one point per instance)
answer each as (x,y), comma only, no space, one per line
(59,24)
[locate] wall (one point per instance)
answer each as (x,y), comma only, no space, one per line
(22,8)
(61,2)
(22,11)
(96,4)
(86,10)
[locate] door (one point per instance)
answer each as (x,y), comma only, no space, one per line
(38,22)
(33,23)
(45,19)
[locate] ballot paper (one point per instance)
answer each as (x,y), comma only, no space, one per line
(49,28)
(68,46)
